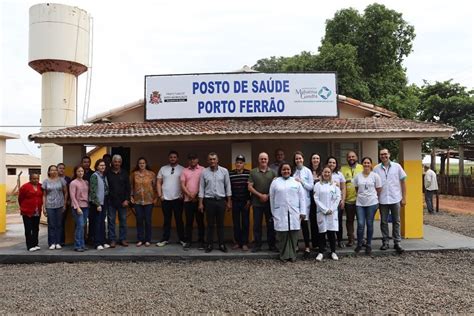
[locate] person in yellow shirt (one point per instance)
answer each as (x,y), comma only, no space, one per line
(350,171)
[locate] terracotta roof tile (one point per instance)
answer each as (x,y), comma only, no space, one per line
(244,127)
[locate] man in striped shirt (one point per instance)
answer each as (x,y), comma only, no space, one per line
(240,203)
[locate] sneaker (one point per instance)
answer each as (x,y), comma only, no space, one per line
(183,243)
(100,247)
(32,249)
(384,247)
(319,257)
(37,247)
(340,244)
(398,248)
(245,248)
(358,249)
(52,247)
(106,246)
(139,244)
(334,256)
(162,243)
(147,244)
(187,246)
(235,246)
(58,246)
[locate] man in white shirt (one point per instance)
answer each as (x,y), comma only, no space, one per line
(391,198)
(431,186)
(169,191)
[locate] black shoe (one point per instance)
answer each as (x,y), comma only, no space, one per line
(223,248)
(256,249)
(384,247)
(292,260)
(398,248)
(368,250)
(357,249)
(306,254)
(208,248)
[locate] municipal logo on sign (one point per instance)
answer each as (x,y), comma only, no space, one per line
(155,97)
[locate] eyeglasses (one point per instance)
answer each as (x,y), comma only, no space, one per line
(172,170)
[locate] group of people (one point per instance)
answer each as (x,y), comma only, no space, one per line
(290,195)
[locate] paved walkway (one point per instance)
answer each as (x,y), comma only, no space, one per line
(12,248)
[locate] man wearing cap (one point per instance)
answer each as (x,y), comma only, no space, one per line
(190,187)
(260,179)
(240,203)
(431,186)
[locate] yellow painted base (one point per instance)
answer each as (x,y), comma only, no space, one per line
(412,213)
(3,208)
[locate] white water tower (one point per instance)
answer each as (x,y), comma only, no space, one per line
(59,43)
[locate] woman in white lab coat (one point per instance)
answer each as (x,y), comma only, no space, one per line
(327,196)
(304,176)
(288,205)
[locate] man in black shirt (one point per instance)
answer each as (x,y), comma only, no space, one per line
(119,194)
(240,203)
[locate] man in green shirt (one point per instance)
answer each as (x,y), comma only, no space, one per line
(352,169)
(259,185)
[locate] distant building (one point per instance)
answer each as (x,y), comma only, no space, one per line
(20,164)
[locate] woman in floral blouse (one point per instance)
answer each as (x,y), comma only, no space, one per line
(144,197)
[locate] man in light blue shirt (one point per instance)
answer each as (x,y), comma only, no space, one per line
(391,198)
(215,199)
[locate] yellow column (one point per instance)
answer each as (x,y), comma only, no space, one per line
(3,174)
(412,213)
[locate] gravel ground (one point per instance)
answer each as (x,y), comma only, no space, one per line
(459,223)
(411,283)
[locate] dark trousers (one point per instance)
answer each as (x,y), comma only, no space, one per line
(91,226)
(31,230)
(305,230)
(313,222)
(339,218)
(171,207)
(215,212)
(191,210)
(143,216)
(258,213)
(429,200)
(99,224)
(240,220)
(350,210)
(332,241)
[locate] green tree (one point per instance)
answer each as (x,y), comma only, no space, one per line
(366,50)
(448,103)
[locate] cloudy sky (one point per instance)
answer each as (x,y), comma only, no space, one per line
(137,38)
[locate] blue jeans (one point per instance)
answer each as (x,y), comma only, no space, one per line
(143,214)
(429,200)
(55,217)
(81,220)
(111,216)
(365,215)
(240,219)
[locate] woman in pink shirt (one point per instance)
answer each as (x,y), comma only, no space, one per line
(79,191)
